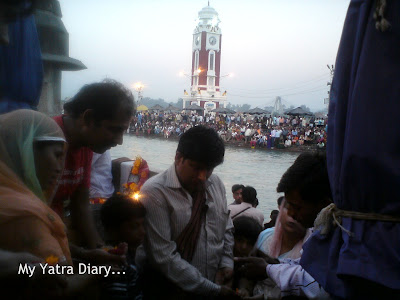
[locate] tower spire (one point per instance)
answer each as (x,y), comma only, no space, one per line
(208,3)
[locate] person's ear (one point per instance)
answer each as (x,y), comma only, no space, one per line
(178,157)
(88,117)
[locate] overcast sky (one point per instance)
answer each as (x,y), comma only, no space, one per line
(273,48)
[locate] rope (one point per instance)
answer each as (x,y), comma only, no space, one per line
(331,216)
(381,23)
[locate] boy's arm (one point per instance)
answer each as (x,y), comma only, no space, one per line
(292,279)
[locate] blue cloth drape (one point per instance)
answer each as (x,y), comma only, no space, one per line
(21,68)
(363,153)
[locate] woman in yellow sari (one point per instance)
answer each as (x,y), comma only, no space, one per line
(32,152)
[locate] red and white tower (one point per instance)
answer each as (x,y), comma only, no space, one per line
(206,63)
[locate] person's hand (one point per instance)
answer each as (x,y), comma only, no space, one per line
(268,259)
(47,286)
(43,286)
(243,293)
(227,293)
(224,276)
(254,268)
(121,249)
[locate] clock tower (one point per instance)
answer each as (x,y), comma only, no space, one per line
(206,63)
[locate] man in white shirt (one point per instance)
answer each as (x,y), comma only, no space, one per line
(248,206)
(278,132)
(307,192)
(273,133)
(247,134)
(188,249)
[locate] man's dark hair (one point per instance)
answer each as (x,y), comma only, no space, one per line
(308,175)
(236,187)
(279,201)
(249,195)
(119,209)
(202,145)
(247,227)
(274,212)
(104,98)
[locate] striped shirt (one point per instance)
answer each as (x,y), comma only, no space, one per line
(168,210)
(124,287)
(245,209)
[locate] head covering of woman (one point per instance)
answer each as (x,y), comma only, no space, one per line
(21,196)
(18,131)
(275,244)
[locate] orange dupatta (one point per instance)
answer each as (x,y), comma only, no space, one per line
(27,223)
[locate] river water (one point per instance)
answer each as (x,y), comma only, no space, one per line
(261,169)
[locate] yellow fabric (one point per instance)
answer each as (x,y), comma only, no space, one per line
(142,108)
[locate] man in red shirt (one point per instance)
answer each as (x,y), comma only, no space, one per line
(94,120)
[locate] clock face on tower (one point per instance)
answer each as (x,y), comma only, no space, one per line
(212,40)
(197,41)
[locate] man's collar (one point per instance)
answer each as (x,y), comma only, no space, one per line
(172,180)
(245,204)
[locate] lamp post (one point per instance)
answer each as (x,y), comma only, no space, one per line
(329,83)
(138,86)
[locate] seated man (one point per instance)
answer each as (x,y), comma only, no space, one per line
(248,206)
(307,191)
(94,121)
(187,250)
(237,190)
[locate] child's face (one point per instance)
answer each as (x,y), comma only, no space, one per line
(242,247)
(132,232)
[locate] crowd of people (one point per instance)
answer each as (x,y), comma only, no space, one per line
(254,130)
(163,239)
(335,236)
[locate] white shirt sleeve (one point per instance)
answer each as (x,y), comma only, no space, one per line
(292,279)
(101,177)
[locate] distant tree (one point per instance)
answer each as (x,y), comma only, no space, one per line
(178,103)
(149,102)
(245,107)
(239,107)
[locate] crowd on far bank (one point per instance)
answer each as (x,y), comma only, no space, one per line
(256,131)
